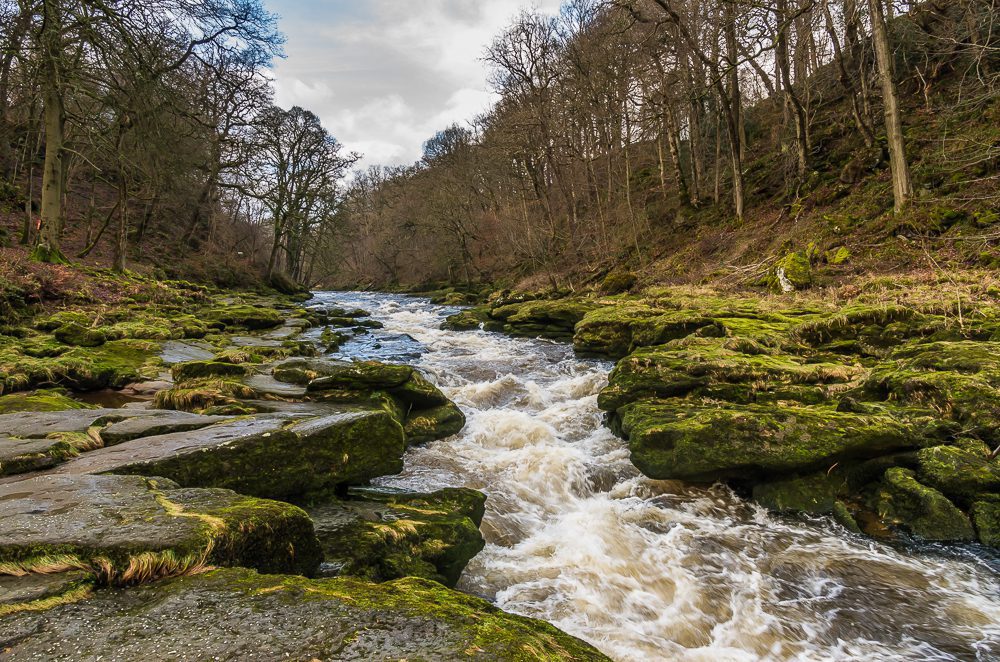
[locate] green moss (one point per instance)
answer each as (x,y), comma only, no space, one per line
(838,256)
(817,493)
(705,441)
(920,509)
(618,282)
(425,425)
(961,471)
(41,400)
(205,369)
(985,514)
(245,316)
(79,336)
(386,535)
(204,394)
(113,364)
(790,273)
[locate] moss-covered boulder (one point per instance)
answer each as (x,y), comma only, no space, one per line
(40,401)
(709,441)
(468,320)
(734,369)
(543,318)
(269,457)
(818,493)
(202,369)
(985,514)
(616,330)
(426,425)
(34,363)
(381,535)
(961,471)
(922,510)
(79,335)
(790,273)
(260,617)
(130,529)
(244,316)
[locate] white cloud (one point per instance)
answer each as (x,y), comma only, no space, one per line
(384,75)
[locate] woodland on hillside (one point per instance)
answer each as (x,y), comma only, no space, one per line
(629,130)
(682,139)
(147,132)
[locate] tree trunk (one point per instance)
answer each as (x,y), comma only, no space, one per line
(53,176)
(902,186)
(792,99)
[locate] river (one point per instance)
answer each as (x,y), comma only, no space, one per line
(656,570)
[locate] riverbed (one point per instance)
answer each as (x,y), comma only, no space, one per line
(656,570)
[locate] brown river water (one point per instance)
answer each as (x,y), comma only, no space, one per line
(655,570)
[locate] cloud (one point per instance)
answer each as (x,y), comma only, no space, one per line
(385,75)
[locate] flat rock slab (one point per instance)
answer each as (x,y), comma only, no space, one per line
(25,589)
(381,534)
(129,528)
(235,614)
(269,456)
(157,422)
(19,456)
(38,425)
(181,351)
(254,341)
(268,385)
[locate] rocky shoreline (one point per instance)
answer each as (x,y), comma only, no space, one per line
(881,410)
(226,507)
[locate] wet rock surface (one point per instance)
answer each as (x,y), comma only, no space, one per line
(381,535)
(126,529)
(238,615)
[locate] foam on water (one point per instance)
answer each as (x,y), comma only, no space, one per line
(649,570)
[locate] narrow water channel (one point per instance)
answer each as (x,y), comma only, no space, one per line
(655,570)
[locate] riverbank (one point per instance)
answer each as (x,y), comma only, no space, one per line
(874,403)
(235,477)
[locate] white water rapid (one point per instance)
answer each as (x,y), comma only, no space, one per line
(653,570)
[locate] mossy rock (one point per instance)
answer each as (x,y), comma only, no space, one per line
(961,471)
(279,617)
(618,282)
(245,316)
(928,514)
(837,256)
(817,493)
(264,456)
(792,272)
(204,394)
(40,400)
(467,320)
(614,331)
(553,319)
(206,369)
(426,425)
(381,535)
(706,441)
(77,335)
(985,514)
(131,529)
(112,365)
(734,369)
(56,320)
(356,375)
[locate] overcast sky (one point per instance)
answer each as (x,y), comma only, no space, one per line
(385,75)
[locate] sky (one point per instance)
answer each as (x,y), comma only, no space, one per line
(385,75)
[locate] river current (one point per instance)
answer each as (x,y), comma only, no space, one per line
(656,570)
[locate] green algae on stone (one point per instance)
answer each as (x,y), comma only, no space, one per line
(266,457)
(40,400)
(729,368)
(77,335)
(961,471)
(816,493)
(204,369)
(382,535)
(245,316)
(920,509)
(131,529)
(426,425)
(267,617)
(985,514)
(706,441)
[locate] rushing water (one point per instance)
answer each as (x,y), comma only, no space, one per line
(656,570)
